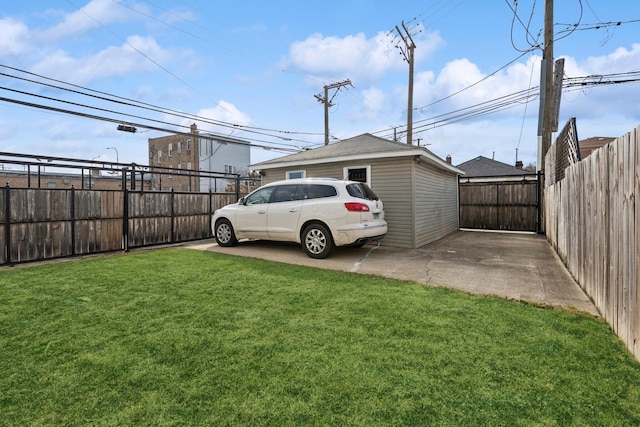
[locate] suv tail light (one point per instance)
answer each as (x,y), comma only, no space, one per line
(356,207)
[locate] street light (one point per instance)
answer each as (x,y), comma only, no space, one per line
(117,157)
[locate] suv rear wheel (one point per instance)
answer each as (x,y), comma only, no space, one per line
(225,235)
(317,241)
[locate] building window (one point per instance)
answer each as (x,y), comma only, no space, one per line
(51,184)
(188,144)
(179,147)
(296,174)
(179,166)
(229,169)
(170,150)
(188,165)
(159,156)
(170,172)
(359,173)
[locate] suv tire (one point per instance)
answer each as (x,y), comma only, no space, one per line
(225,236)
(317,241)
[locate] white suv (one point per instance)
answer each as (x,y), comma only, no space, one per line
(318,213)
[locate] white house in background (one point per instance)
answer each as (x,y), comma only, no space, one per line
(221,154)
(174,160)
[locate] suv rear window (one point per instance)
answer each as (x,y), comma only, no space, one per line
(361,191)
(317,191)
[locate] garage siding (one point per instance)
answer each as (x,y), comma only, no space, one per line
(391,181)
(436,204)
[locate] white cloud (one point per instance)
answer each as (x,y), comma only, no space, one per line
(620,60)
(93,15)
(354,56)
(223,112)
(111,62)
(15,37)
(604,101)
(60,131)
(374,103)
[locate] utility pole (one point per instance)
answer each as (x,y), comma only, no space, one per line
(327,103)
(546,87)
(407,53)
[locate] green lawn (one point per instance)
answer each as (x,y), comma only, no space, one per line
(184,337)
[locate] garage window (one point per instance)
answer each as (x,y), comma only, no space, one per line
(358,173)
(296,174)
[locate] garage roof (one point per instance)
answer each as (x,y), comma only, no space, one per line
(365,146)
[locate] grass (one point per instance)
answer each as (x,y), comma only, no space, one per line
(183,337)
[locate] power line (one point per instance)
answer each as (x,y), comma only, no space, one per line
(516,99)
(138,104)
(140,125)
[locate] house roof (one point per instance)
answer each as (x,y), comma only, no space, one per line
(365,146)
(484,167)
(589,145)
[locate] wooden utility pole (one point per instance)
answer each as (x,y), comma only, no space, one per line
(407,53)
(327,103)
(546,87)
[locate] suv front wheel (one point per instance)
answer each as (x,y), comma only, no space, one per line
(224,233)
(317,241)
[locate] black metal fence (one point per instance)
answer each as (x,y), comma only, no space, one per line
(117,210)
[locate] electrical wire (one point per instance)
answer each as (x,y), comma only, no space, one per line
(227,124)
(141,125)
(513,100)
(130,102)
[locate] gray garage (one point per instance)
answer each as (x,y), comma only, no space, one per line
(419,189)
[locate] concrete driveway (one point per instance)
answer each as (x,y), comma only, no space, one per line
(515,266)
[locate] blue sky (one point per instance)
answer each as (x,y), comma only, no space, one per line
(250,69)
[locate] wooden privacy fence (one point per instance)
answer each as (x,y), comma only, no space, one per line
(41,223)
(592,222)
(504,203)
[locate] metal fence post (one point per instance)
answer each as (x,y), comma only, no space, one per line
(7,223)
(73,220)
(125,212)
(133,176)
(173,215)
(539,187)
(210,212)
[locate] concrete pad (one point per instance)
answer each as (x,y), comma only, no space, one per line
(515,266)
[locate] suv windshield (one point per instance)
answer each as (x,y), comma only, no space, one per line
(361,191)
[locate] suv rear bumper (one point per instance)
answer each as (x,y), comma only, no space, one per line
(361,234)
(368,239)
